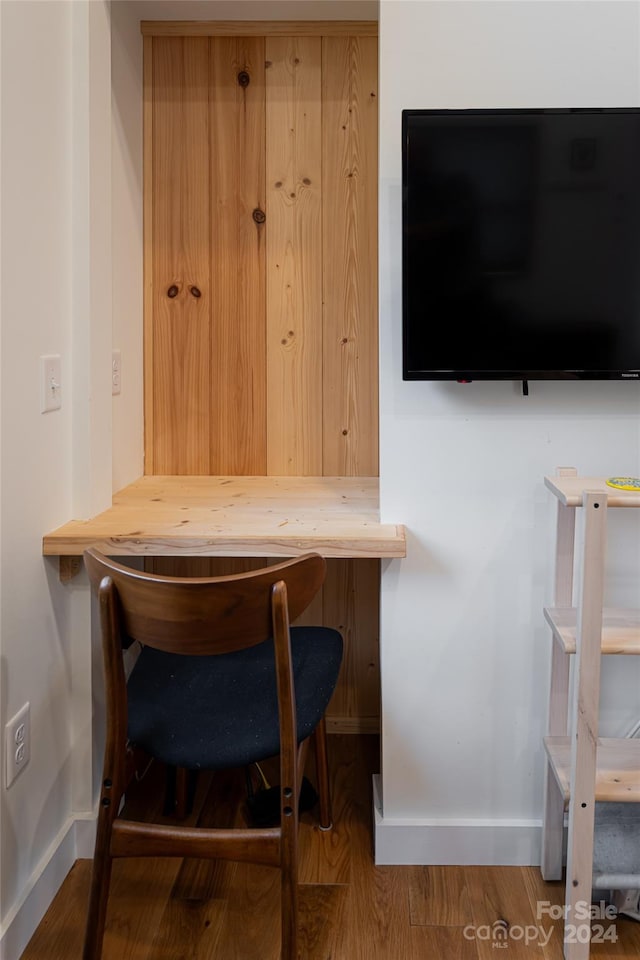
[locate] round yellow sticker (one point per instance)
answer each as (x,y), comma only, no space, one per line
(624,483)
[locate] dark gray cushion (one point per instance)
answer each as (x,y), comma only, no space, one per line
(222,711)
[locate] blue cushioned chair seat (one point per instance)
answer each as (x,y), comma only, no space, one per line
(222,711)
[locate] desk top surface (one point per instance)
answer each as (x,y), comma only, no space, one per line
(237,516)
(569,491)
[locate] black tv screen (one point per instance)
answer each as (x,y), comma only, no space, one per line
(521,244)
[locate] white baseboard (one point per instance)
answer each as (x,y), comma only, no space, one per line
(464,842)
(75,839)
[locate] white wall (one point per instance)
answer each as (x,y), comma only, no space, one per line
(56,298)
(36,448)
(465,653)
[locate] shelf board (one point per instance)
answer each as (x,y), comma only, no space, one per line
(569,491)
(618,768)
(620,629)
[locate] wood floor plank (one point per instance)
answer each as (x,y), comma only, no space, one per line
(499,904)
(540,895)
(189,929)
(140,889)
(202,880)
(61,930)
(378,909)
(251,924)
(322,920)
(627,945)
(441,943)
(438,895)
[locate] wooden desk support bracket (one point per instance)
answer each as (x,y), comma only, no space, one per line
(69,567)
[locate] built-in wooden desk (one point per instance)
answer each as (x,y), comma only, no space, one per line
(234,517)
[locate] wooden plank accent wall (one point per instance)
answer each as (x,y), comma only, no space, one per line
(351,595)
(274,369)
(181,256)
(350,260)
(148,254)
(294,256)
(202,566)
(238,442)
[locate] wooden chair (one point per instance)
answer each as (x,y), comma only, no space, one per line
(222,681)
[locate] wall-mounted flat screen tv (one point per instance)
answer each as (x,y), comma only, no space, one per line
(521,244)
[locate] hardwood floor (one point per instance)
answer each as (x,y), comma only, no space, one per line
(349,908)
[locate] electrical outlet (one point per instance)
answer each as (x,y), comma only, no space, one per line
(17,743)
(116,372)
(50,383)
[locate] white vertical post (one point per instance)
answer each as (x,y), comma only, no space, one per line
(553,817)
(585,709)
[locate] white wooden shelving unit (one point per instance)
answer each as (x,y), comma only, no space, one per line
(582,768)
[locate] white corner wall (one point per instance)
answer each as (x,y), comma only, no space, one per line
(56,298)
(36,448)
(464,649)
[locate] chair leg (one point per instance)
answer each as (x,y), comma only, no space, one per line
(289,891)
(99,893)
(179,792)
(322,774)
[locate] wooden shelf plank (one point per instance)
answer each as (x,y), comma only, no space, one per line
(618,768)
(569,490)
(620,629)
(235,517)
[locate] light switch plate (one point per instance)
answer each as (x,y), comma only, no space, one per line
(116,372)
(50,383)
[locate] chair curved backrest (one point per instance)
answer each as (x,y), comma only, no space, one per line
(205,615)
